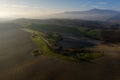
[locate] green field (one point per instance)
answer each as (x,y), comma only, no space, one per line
(54,28)
(76,31)
(93,33)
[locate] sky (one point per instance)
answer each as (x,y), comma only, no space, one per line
(40,8)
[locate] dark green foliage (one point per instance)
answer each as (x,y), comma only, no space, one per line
(90,56)
(53,38)
(36,52)
(93,33)
(57,37)
(83,54)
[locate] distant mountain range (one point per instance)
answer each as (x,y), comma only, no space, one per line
(93,14)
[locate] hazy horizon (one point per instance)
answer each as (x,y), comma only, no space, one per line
(41,8)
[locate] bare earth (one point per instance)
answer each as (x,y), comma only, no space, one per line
(17,63)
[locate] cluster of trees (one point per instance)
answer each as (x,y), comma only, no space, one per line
(53,39)
(36,52)
(92,33)
(83,54)
(111,36)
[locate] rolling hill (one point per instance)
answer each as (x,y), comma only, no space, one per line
(93,14)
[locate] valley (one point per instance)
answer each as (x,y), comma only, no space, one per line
(23,61)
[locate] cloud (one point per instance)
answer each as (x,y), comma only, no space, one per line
(102,3)
(8,10)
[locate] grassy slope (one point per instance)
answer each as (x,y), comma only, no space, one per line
(74,27)
(93,33)
(55,28)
